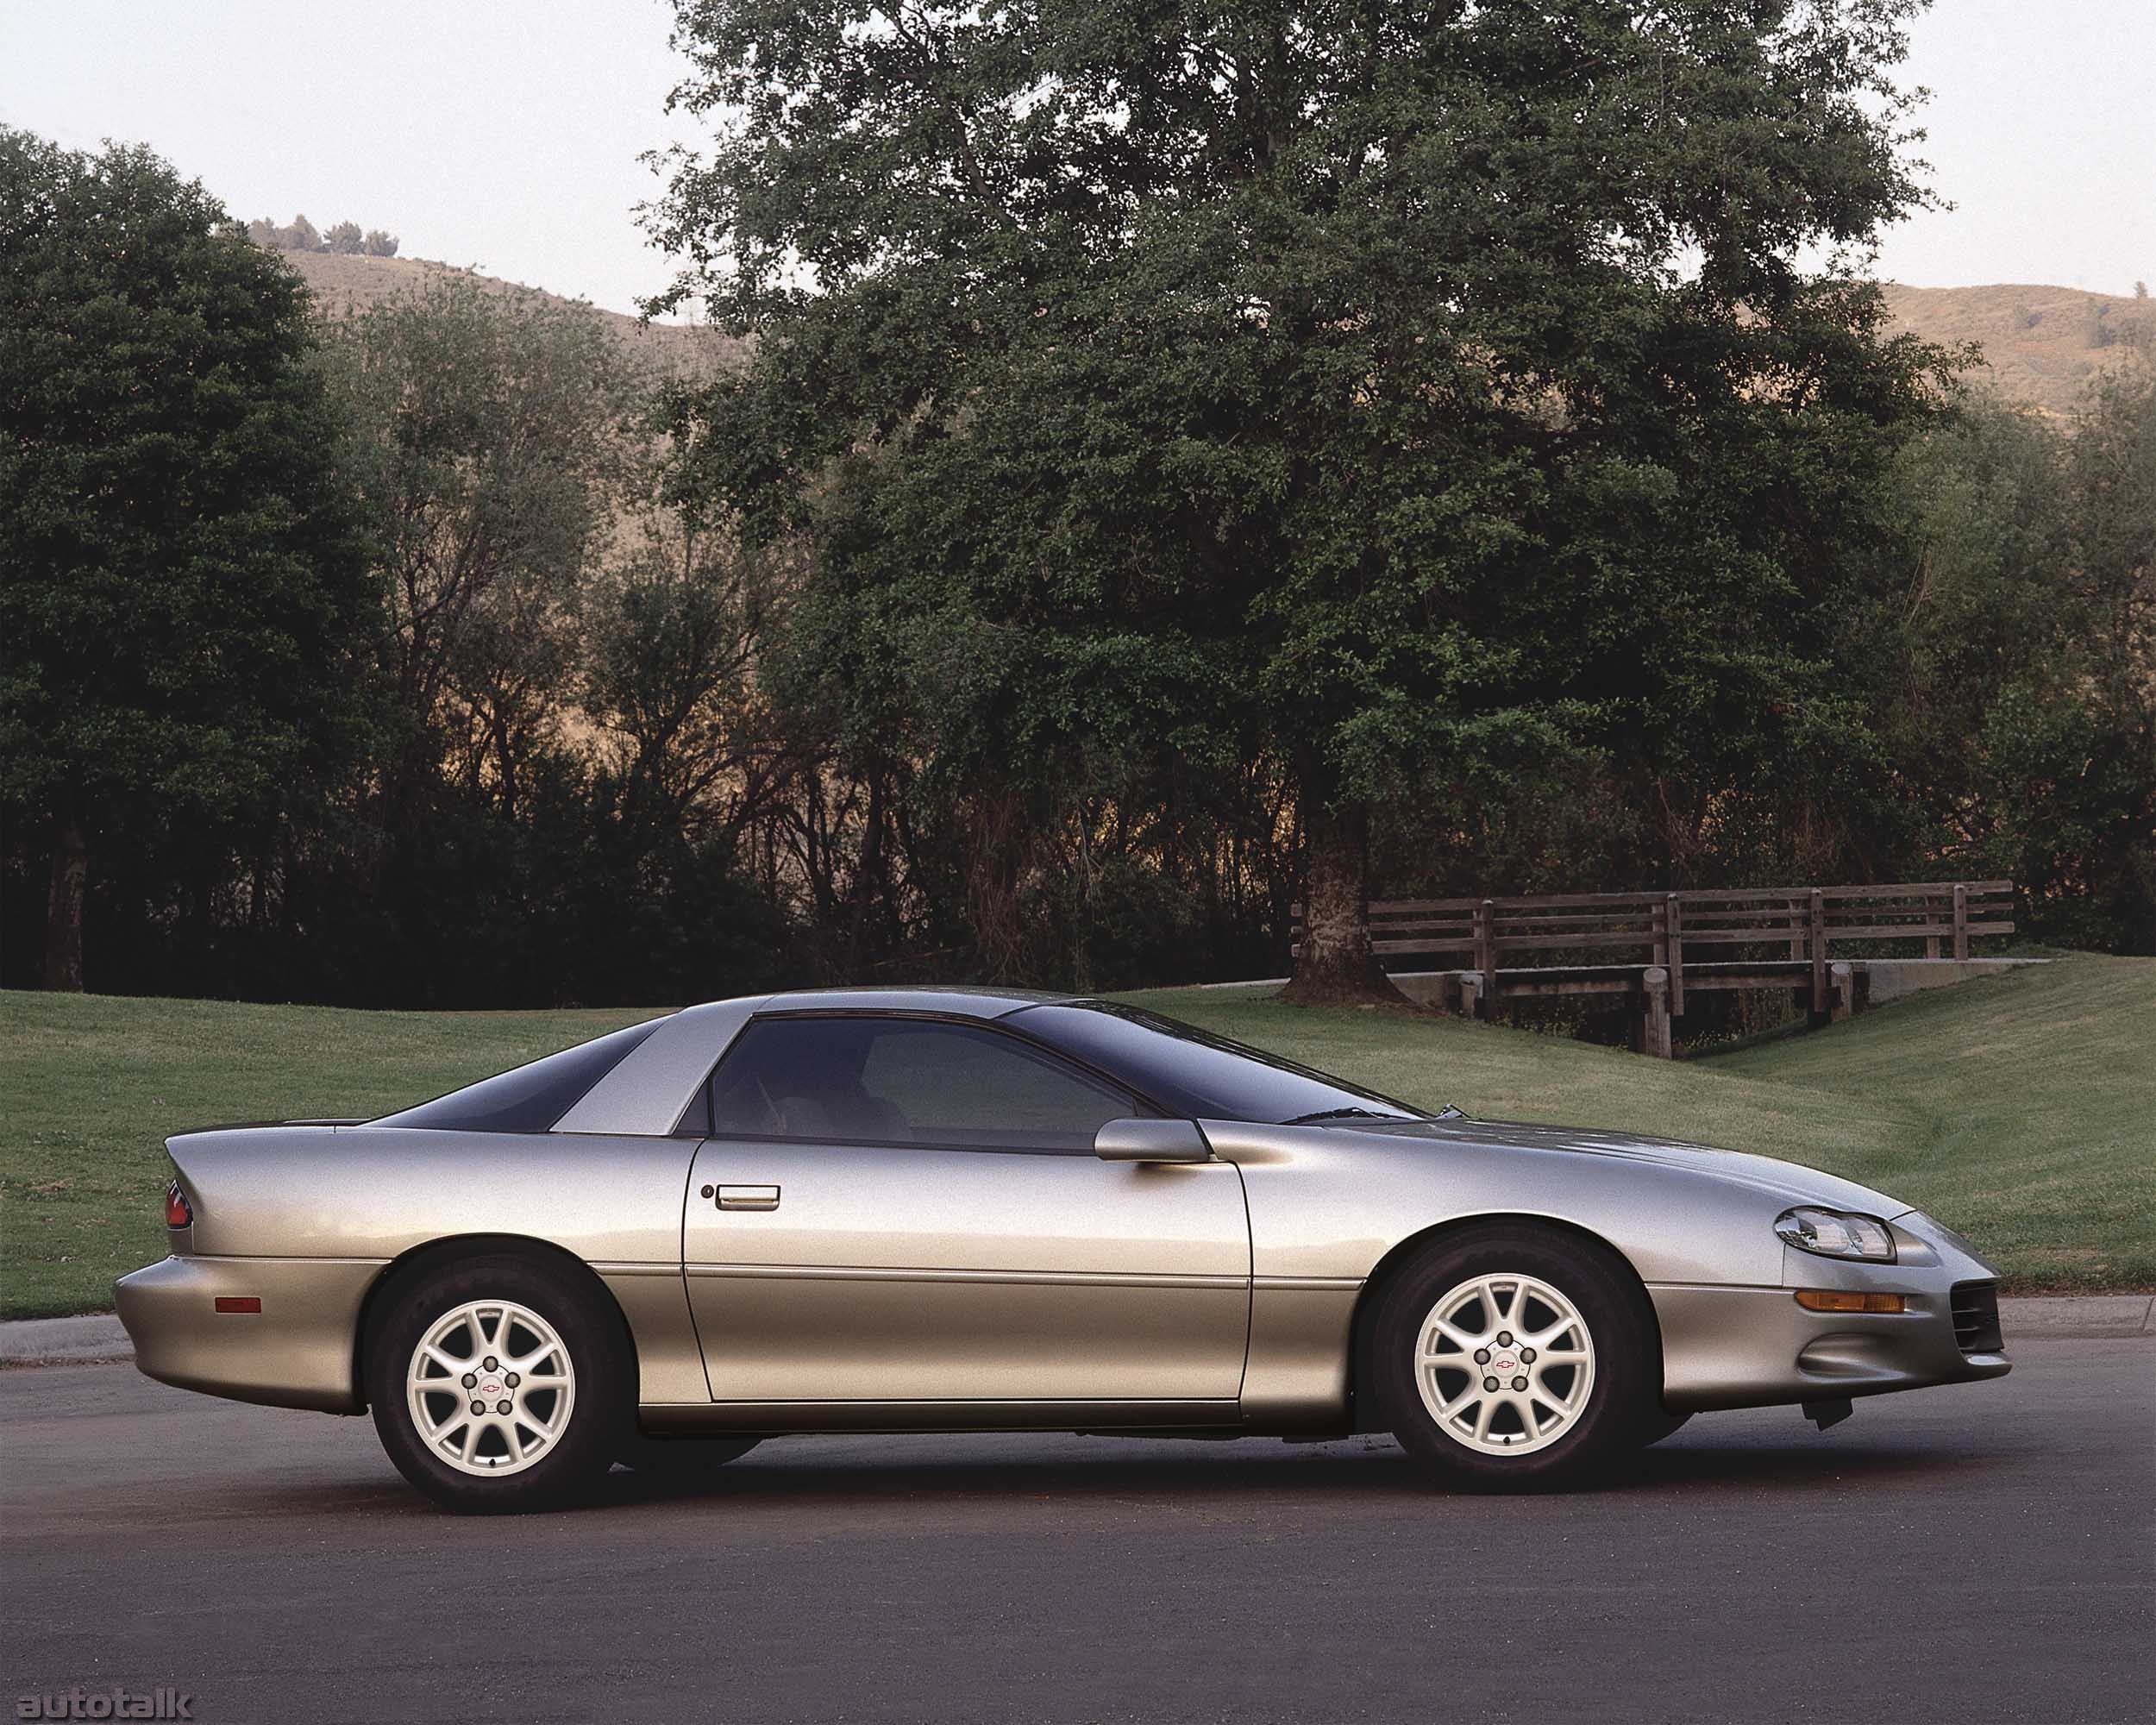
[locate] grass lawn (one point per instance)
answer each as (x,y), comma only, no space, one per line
(91,1085)
(2021,1110)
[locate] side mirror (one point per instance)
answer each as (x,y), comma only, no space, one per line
(1151,1141)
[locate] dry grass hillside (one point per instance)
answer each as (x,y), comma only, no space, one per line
(2040,344)
(344,283)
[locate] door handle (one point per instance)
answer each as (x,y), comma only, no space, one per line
(748,1197)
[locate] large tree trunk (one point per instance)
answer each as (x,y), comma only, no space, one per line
(1336,966)
(63,903)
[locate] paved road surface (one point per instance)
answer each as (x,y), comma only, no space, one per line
(1985,1552)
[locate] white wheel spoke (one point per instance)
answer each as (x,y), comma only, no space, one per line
(519,1436)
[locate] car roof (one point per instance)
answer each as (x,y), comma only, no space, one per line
(960,1001)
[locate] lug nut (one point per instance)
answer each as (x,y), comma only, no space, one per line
(491,1363)
(1519,1383)
(513,1379)
(471,1380)
(1528,1354)
(502,1406)
(1489,1383)
(479,1406)
(1481,1356)
(1504,1340)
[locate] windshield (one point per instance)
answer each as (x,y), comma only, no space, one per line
(1193,1073)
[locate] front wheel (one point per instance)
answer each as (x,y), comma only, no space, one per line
(1514,1358)
(500,1383)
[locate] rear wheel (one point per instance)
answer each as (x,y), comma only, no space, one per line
(499,1383)
(1514,1358)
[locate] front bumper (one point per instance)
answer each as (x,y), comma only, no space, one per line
(299,1351)
(1755,1347)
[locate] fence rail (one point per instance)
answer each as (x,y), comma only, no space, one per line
(1710,937)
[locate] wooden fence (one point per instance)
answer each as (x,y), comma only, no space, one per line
(1748,937)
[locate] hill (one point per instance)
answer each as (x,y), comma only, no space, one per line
(2015,1110)
(342,283)
(2040,344)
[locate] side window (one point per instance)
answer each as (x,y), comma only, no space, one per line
(907,1080)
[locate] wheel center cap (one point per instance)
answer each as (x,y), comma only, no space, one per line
(1505,1361)
(489,1386)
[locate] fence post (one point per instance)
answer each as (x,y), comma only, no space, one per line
(1961,922)
(1796,938)
(1819,951)
(1486,957)
(1673,922)
(1652,1035)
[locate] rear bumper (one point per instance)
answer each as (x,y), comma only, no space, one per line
(299,1351)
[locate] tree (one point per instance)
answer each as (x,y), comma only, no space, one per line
(301,236)
(380,244)
(184,579)
(345,238)
(1408,395)
(488,446)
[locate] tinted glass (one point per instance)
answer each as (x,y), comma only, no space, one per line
(905,1080)
(1192,1072)
(529,1099)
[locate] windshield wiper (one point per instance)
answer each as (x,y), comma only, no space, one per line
(1340,1114)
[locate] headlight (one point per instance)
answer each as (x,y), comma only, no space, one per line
(1835,1233)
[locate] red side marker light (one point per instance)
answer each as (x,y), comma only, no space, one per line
(239,1302)
(177,1213)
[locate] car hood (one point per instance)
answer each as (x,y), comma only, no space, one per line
(1784,1180)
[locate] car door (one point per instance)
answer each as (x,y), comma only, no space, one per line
(903,1211)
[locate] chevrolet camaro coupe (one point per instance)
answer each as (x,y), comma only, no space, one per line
(923,1210)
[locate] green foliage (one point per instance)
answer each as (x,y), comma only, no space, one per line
(380,244)
(184,581)
(1161,387)
(2015,673)
(345,238)
(487,443)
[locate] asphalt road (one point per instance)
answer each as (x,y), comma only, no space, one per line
(1984,1552)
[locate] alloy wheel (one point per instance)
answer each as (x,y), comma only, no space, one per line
(491,1387)
(1504,1365)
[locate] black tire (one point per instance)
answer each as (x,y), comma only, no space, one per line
(1626,1384)
(590,1331)
(684,1459)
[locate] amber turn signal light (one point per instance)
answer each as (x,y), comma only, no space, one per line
(1841,1300)
(177,1213)
(239,1302)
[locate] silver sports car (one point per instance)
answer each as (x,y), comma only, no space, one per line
(918,1210)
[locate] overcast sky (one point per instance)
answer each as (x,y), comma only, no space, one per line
(506,135)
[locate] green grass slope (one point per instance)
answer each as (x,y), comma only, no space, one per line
(2020,1110)
(91,1086)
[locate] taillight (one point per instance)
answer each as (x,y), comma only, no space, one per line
(177,1213)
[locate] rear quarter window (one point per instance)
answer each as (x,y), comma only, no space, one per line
(530,1098)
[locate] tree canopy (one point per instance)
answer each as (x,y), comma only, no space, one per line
(185,586)
(1418,395)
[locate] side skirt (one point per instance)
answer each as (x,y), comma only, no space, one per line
(771,1418)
